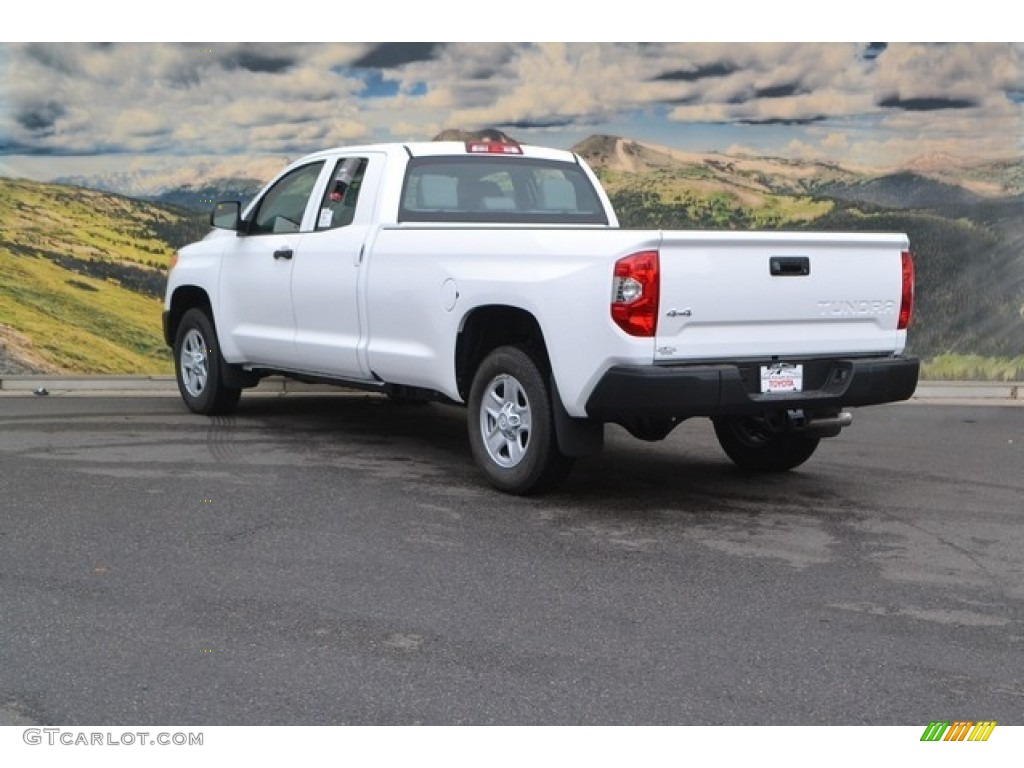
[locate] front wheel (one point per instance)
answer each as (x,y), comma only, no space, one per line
(197,364)
(755,447)
(511,424)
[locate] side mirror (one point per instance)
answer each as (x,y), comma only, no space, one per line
(226,215)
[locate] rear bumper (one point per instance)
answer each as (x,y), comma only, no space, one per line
(682,391)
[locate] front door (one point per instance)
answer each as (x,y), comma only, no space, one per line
(256,271)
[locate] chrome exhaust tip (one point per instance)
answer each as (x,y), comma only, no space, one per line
(828,426)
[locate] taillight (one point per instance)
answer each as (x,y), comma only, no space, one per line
(635,293)
(907,299)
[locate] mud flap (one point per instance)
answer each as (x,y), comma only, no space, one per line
(576,437)
(234,377)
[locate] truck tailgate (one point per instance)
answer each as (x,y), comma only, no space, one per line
(758,295)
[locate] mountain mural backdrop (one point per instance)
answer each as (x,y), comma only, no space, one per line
(82,270)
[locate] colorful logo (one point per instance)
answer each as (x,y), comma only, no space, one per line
(959,730)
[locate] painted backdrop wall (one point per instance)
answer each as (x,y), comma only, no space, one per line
(923,138)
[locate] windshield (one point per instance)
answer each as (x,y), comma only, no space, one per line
(512,190)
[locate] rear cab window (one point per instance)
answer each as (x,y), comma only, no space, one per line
(499,190)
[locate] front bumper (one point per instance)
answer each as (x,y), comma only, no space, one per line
(682,391)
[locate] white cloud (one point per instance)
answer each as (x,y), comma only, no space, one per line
(85,98)
(402,130)
(836,141)
(281,98)
(803,150)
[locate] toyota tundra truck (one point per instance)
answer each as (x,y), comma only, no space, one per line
(495,275)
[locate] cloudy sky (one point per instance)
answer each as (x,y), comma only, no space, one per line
(92,108)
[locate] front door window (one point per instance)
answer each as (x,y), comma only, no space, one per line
(282,208)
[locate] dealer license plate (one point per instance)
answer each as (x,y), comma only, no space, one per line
(782,377)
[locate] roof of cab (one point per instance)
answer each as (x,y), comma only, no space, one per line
(435,148)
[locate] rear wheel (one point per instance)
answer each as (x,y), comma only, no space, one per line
(755,447)
(197,364)
(511,424)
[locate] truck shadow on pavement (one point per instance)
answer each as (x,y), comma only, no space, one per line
(426,444)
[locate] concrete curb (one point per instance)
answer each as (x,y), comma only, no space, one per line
(991,392)
(165,385)
(970,390)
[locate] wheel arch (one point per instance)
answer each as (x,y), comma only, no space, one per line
(183,299)
(488,327)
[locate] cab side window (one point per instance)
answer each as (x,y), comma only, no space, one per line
(282,208)
(338,207)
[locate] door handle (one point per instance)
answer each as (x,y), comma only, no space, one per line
(284,253)
(789,266)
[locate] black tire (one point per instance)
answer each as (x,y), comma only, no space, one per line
(197,366)
(755,448)
(511,424)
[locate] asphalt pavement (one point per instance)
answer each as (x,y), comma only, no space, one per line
(337,559)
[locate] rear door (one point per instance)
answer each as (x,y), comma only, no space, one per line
(325,281)
(734,296)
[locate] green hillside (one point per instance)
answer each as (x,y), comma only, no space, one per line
(689,199)
(969,275)
(81,278)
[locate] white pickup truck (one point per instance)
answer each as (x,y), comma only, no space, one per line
(495,275)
